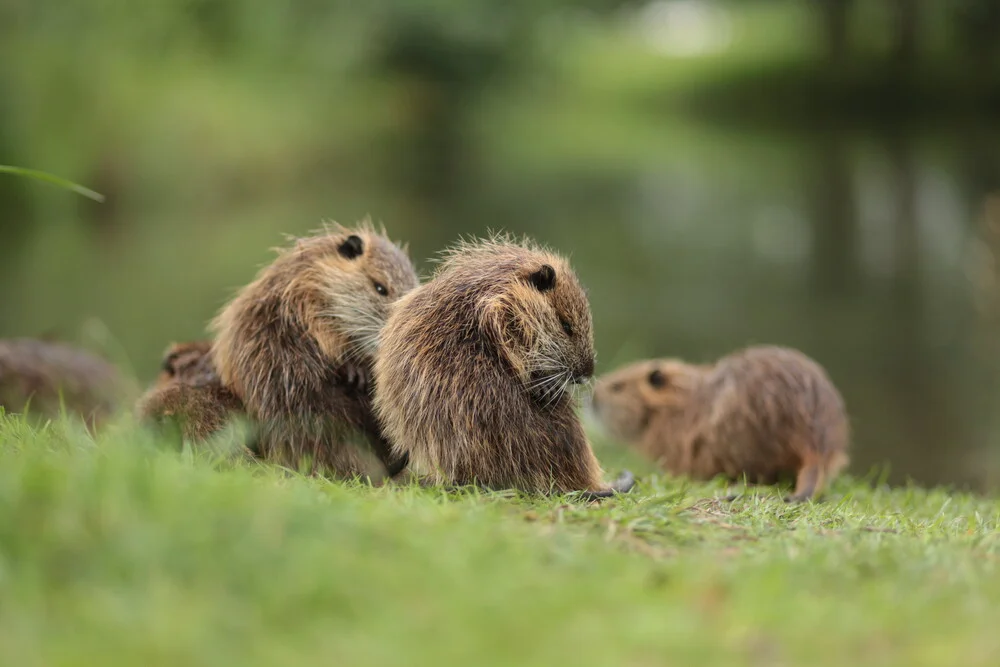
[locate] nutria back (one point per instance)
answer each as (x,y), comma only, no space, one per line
(764,412)
(474,375)
(43,376)
(296,346)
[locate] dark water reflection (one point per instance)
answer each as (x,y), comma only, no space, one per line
(873,256)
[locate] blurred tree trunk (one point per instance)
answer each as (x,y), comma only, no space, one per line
(906,29)
(835,17)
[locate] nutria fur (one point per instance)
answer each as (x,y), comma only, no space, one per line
(44,376)
(188,362)
(296,346)
(764,412)
(475,368)
(189,392)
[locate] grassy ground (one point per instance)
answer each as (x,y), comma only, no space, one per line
(120,553)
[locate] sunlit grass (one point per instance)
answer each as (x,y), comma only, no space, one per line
(122,552)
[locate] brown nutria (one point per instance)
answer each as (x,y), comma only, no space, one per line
(41,377)
(764,412)
(296,346)
(475,368)
(188,362)
(189,392)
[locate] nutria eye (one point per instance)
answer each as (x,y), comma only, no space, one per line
(566,327)
(380,288)
(657,379)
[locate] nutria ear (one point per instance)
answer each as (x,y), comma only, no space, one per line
(657,379)
(169,361)
(544,278)
(352,247)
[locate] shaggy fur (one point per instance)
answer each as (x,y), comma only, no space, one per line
(764,412)
(45,376)
(475,370)
(296,346)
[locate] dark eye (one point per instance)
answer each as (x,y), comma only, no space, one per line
(380,288)
(567,327)
(657,379)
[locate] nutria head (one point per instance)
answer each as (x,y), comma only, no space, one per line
(354,275)
(183,361)
(625,400)
(531,306)
(320,304)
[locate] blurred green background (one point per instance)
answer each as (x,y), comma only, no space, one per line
(814,173)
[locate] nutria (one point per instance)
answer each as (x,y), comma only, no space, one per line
(764,412)
(188,362)
(189,392)
(296,346)
(41,377)
(475,369)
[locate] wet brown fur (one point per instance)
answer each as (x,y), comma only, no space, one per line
(764,412)
(44,376)
(296,345)
(189,392)
(474,372)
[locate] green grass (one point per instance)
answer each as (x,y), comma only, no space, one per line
(119,552)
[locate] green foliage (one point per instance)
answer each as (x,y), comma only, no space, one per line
(117,553)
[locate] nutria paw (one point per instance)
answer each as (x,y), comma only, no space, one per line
(356,377)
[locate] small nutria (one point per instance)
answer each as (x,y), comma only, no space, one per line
(765,412)
(41,377)
(296,346)
(188,391)
(475,368)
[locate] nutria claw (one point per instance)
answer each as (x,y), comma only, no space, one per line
(624,484)
(356,377)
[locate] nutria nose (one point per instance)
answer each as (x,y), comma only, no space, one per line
(585,371)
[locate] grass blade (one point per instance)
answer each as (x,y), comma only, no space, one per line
(50,178)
